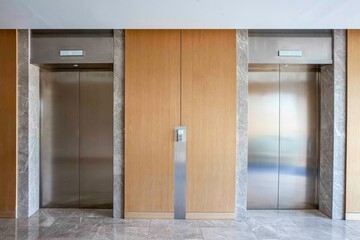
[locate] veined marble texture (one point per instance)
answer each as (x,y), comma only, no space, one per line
(326,139)
(23,127)
(119,99)
(338,204)
(28,130)
(242,97)
(333,132)
(99,225)
(34,139)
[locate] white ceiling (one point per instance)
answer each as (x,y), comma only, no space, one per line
(241,14)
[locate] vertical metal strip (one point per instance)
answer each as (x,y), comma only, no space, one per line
(317,185)
(79,139)
(180,173)
(181,77)
(279,140)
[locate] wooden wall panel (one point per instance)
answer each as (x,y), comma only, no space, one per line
(152,110)
(208,76)
(353,124)
(8,85)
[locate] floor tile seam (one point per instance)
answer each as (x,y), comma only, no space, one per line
(312,226)
(293,221)
(247,223)
(150,224)
(313,217)
(201,232)
(148,231)
(202,235)
(269,227)
(259,237)
(228,228)
(255,216)
(256,235)
(176,228)
(323,222)
(225,227)
(97,233)
(357,229)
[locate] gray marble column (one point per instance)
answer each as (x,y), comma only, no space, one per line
(241,122)
(23,94)
(326,139)
(119,99)
(333,132)
(34,139)
(28,130)
(339,124)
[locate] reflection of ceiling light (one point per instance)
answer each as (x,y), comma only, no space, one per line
(286,65)
(75,65)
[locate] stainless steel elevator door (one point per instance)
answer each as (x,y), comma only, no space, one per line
(76,138)
(59,138)
(298,136)
(263,170)
(283,136)
(96,139)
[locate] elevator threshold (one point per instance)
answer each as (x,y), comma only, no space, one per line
(77,212)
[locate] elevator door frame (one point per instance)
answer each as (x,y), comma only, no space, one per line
(106,202)
(279,69)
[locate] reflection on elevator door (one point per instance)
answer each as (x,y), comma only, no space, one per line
(76,138)
(283,136)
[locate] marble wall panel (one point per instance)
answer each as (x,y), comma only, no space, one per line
(333,132)
(34,139)
(28,130)
(326,139)
(23,116)
(338,203)
(119,99)
(242,97)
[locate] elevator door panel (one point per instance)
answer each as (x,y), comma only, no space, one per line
(283,136)
(298,136)
(263,137)
(96,139)
(59,139)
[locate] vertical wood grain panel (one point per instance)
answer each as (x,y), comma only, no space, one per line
(208,74)
(353,123)
(8,84)
(152,110)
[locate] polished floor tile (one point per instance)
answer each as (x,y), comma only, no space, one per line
(174,223)
(354,225)
(121,232)
(175,232)
(227,233)
(223,223)
(267,228)
(63,224)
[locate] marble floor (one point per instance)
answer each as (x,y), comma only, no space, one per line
(98,224)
